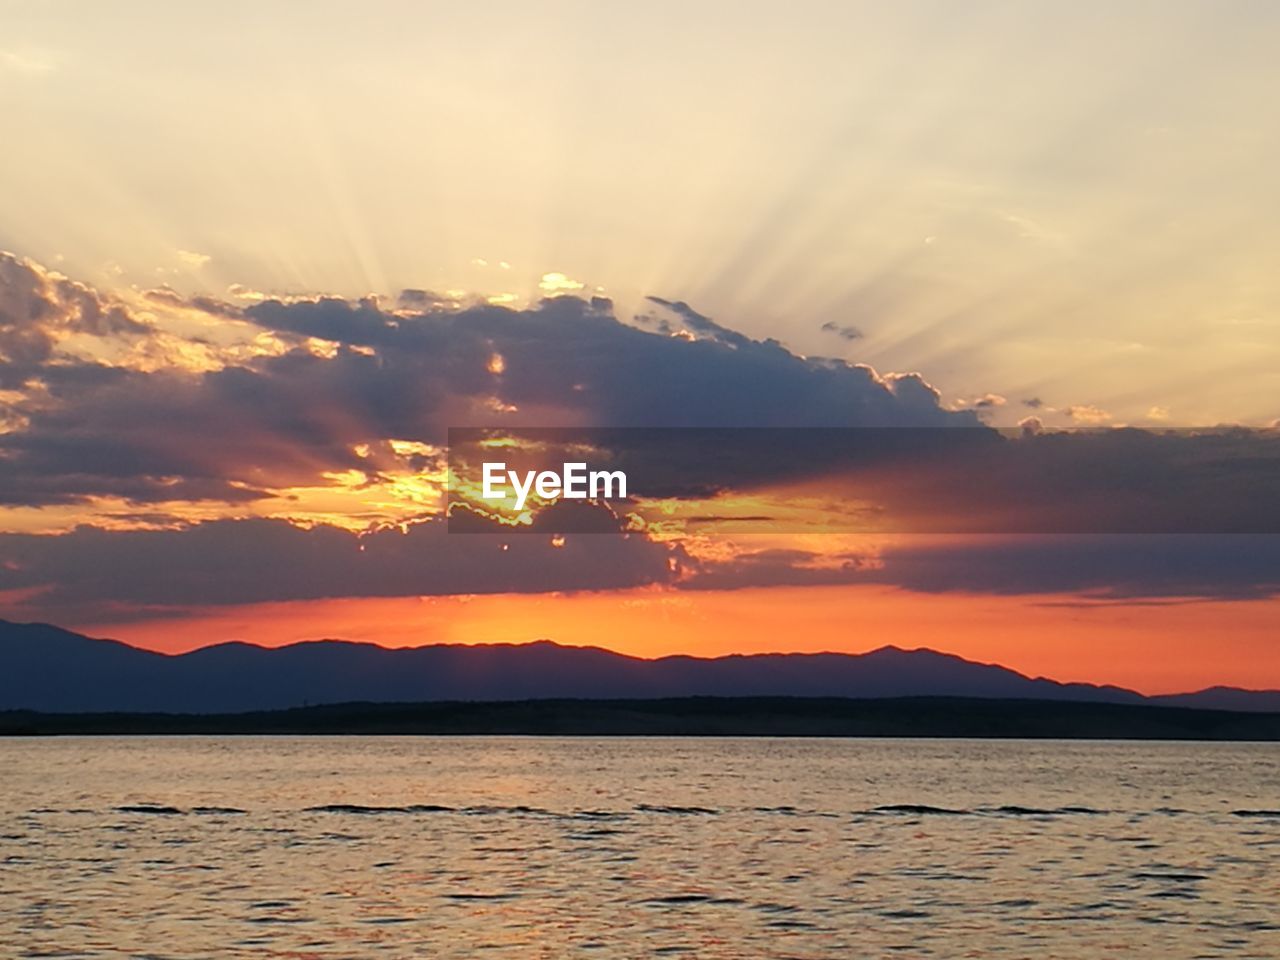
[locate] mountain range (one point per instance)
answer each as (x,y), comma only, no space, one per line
(46,668)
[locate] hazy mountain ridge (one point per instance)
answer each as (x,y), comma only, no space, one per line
(45,668)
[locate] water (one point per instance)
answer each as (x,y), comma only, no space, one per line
(537,847)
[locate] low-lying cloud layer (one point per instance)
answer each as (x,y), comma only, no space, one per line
(98,573)
(1113,567)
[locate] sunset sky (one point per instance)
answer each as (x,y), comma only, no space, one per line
(260,259)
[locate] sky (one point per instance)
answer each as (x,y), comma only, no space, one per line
(261,257)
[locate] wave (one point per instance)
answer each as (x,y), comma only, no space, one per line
(1006,810)
(653,808)
(365,810)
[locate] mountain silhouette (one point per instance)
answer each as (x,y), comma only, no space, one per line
(46,668)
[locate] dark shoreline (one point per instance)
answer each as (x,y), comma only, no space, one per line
(690,716)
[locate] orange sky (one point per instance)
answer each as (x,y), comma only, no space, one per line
(1063,217)
(1150,648)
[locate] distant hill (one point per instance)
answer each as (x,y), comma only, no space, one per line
(1224,698)
(45,668)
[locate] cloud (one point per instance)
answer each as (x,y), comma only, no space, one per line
(342,373)
(40,308)
(101,574)
(555,284)
(349,373)
(701,325)
(780,567)
(413,298)
(240,292)
(924,480)
(1115,567)
(917,395)
(1109,481)
(168,297)
(1100,569)
(843,331)
(1087,414)
(347,380)
(947,480)
(571,361)
(193,259)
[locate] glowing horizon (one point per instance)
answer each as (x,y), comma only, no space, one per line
(245,297)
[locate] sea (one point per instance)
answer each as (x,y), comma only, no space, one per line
(535,847)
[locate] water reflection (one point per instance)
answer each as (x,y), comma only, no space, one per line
(528,847)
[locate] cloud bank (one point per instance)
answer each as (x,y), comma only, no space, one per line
(140,409)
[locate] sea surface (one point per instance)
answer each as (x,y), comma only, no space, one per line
(495,847)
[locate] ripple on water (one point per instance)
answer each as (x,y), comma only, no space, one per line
(677,810)
(529,847)
(359,809)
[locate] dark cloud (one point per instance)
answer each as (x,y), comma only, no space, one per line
(570,361)
(81,429)
(700,324)
(281,420)
(360,323)
(843,331)
(170,435)
(413,298)
(942,480)
(1109,568)
(780,567)
(1035,403)
(1102,481)
(99,573)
